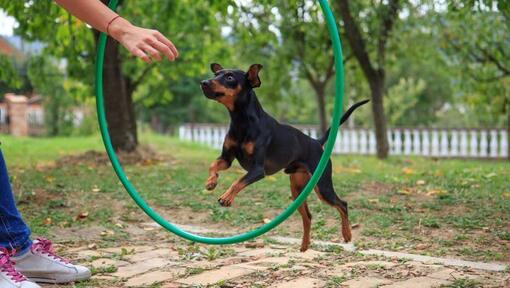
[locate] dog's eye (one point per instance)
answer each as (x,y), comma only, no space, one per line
(230,78)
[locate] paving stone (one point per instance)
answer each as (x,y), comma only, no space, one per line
(153,277)
(366,282)
(300,282)
(259,252)
(88,254)
(451,274)
(309,254)
(214,276)
(264,263)
(159,253)
(118,250)
(171,285)
(437,260)
(384,264)
(141,267)
(108,262)
(418,282)
(104,277)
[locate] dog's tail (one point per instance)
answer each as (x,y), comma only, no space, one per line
(346,115)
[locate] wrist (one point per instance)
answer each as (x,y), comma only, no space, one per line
(118,28)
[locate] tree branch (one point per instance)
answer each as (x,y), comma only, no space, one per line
(388,22)
(355,39)
(133,83)
(490,58)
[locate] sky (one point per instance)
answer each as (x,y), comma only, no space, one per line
(7,24)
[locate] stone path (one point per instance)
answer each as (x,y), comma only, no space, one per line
(168,264)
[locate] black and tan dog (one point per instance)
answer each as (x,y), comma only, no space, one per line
(263,146)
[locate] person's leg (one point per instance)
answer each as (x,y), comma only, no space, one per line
(14,233)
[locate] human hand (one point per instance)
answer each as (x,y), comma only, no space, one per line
(142,42)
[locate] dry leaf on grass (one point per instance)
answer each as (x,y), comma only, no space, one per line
(82,215)
(436,192)
(47,221)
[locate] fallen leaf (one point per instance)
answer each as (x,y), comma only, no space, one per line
(257,244)
(373,201)
(266,220)
(107,233)
(355,225)
(47,221)
(341,169)
(436,192)
(92,246)
(405,191)
(490,175)
(82,215)
(420,182)
(407,171)
(506,194)
(421,246)
(96,189)
(119,225)
(271,178)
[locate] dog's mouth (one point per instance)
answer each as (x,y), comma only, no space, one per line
(210,93)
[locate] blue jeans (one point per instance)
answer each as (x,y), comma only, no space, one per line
(14,233)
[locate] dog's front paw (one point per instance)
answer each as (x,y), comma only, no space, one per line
(210,185)
(225,202)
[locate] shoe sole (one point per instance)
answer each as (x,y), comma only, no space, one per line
(71,278)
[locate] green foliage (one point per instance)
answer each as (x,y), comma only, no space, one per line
(49,81)
(438,69)
(8,75)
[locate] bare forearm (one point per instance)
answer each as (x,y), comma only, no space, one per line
(95,13)
(139,41)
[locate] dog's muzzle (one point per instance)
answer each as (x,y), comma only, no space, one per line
(207,89)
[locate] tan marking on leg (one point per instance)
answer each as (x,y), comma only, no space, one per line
(217,165)
(229,142)
(346,227)
(249,147)
(228,197)
(297,183)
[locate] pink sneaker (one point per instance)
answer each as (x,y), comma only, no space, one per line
(41,264)
(9,276)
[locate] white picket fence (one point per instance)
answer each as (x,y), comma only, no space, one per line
(453,143)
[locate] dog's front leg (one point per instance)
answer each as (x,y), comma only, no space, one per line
(222,163)
(257,153)
(254,175)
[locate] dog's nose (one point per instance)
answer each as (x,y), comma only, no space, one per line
(204,83)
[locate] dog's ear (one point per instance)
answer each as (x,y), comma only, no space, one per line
(253,75)
(215,67)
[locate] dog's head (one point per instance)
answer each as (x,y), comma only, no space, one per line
(230,85)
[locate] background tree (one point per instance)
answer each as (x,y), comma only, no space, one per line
(476,39)
(68,38)
(378,24)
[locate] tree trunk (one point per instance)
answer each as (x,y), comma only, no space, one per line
(118,101)
(321,103)
(377,87)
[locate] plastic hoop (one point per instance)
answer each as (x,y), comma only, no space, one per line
(328,147)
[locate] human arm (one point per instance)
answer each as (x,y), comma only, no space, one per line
(139,41)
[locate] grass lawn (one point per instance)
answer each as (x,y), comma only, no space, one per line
(455,208)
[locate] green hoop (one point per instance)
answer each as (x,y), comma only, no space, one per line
(337,113)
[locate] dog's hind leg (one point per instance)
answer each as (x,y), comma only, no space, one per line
(298,181)
(326,193)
